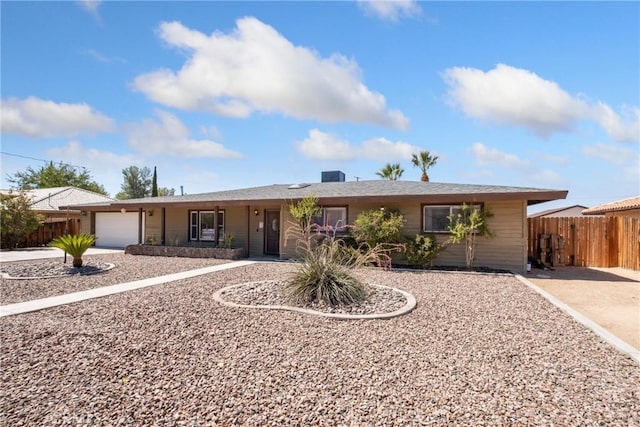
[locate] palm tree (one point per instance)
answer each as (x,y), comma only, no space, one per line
(390,171)
(424,161)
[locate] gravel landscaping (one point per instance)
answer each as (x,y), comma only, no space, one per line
(127,268)
(479,349)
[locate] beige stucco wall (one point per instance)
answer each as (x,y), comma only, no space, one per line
(506,250)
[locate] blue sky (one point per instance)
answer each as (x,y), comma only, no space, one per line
(222,95)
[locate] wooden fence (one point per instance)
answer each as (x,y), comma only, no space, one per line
(587,241)
(49,231)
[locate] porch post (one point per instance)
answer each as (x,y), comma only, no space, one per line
(164,226)
(215,226)
(140,213)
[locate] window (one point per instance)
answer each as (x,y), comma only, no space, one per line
(331,219)
(436,218)
(202,226)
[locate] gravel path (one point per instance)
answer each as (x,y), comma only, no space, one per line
(478,350)
(127,268)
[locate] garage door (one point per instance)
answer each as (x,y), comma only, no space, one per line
(116,229)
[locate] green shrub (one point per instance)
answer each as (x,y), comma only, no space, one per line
(74,245)
(466,226)
(422,250)
(17,219)
(378,226)
(324,275)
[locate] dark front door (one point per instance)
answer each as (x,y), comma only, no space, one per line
(272,233)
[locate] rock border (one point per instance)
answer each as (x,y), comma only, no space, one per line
(407,308)
(57,276)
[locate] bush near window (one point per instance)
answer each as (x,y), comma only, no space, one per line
(466,226)
(325,273)
(422,250)
(378,226)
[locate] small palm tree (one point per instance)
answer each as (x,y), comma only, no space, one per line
(74,245)
(390,171)
(424,161)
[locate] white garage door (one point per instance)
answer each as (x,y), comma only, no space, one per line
(116,229)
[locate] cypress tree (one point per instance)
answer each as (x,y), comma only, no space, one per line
(154,184)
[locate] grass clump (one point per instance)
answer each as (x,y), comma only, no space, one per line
(325,272)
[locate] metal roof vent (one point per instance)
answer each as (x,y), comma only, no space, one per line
(298,186)
(332,176)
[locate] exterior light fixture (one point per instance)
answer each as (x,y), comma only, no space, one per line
(256,212)
(123,210)
(150,212)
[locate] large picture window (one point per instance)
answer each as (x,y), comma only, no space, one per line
(331,219)
(202,226)
(436,218)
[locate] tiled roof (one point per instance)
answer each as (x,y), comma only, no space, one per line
(620,205)
(362,190)
(51,199)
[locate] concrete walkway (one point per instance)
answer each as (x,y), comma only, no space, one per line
(611,336)
(40,304)
(47,252)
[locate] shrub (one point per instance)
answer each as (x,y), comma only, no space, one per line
(378,226)
(466,226)
(17,219)
(324,275)
(74,245)
(422,250)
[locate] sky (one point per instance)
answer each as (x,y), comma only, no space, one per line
(225,95)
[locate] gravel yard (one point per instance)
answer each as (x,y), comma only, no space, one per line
(127,269)
(477,350)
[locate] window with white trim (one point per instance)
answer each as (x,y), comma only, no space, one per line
(435,218)
(202,226)
(331,219)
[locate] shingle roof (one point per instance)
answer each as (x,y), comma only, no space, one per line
(557,211)
(51,199)
(620,205)
(379,190)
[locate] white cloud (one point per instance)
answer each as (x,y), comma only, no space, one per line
(325,146)
(170,136)
(92,53)
(627,130)
(486,156)
(517,97)
(255,68)
(391,10)
(90,5)
(39,118)
(613,154)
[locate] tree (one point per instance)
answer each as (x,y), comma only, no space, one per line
(154,183)
(74,245)
(390,171)
(164,191)
(466,226)
(137,183)
(424,160)
(17,220)
(52,175)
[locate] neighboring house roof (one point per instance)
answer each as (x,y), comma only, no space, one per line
(51,199)
(617,206)
(566,211)
(362,191)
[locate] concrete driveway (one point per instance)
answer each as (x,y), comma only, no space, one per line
(608,296)
(26,254)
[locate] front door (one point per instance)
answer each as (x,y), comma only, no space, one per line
(272,233)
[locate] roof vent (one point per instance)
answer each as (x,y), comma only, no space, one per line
(298,186)
(332,176)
